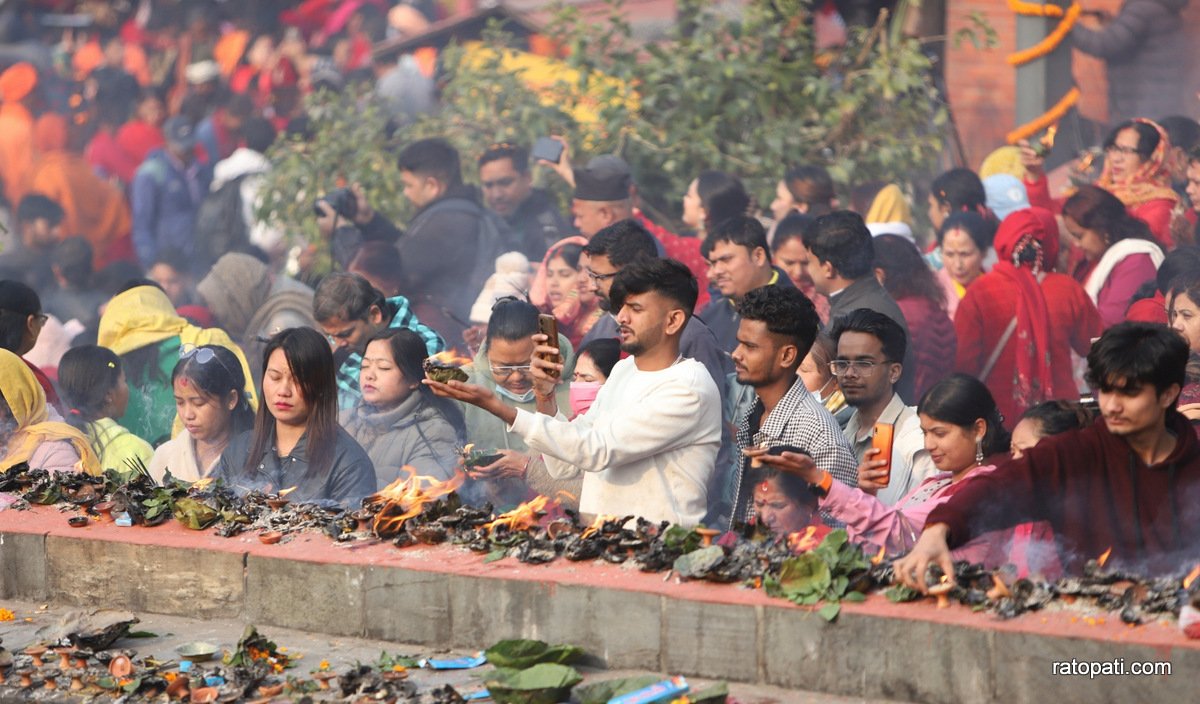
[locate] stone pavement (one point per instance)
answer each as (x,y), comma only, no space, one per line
(172,631)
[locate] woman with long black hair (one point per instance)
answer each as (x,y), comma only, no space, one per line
(297,443)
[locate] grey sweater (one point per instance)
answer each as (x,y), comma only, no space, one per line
(414,434)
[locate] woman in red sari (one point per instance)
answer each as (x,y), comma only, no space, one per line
(1135,171)
(1018,323)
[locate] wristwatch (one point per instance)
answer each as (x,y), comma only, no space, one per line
(821,488)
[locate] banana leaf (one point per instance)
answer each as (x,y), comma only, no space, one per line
(601,692)
(698,563)
(194,514)
(520,654)
(546,683)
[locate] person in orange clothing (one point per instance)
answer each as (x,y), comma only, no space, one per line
(16,128)
(92,206)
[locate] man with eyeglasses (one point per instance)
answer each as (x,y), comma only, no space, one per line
(350,310)
(508,190)
(867,366)
(777,326)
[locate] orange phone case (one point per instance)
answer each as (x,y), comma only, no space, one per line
(882,441)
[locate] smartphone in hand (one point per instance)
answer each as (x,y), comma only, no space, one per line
(546,149)
(882,441)
(548,326)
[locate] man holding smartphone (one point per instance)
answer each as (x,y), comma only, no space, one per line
(648,445)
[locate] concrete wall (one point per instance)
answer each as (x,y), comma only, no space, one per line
(446,597)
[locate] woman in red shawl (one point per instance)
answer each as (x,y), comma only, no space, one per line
(1018,323)
(1135,171)
(561,289)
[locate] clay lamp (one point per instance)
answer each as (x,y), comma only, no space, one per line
(364,518)
(942,592)
(64,657)
(26,675)
(178,687)
(707,535)
(393,676)
(270,690)
(36,652)
(999,590)
(204,695)
(77,521)
(557,528)
(104,509)
(323,677)
(81,659)
(51,683)
(270,537)
(276,502)
(76,680)
(120,666)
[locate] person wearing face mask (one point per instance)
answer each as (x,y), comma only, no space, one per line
(503,367)
(592,368)
(820,380)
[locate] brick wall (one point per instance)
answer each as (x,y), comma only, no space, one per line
(982,86)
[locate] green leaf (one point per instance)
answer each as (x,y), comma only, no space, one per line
(521,653)
(141,634)
(494,555)
(805,574)
(601,692)
(194,514)
(830,611)
(898,593)
(698,563)
(541,684)
(854,597)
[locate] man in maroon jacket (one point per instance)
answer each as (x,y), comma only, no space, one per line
(1129,482)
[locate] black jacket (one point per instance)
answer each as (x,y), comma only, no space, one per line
(722,318)
(538,224)
(351,477)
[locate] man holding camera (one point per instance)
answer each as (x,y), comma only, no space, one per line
(649,443)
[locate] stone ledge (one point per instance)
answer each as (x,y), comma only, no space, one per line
(448,597)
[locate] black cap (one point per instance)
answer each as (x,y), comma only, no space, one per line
(605,179)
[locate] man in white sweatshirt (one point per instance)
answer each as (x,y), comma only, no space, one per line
(649,443)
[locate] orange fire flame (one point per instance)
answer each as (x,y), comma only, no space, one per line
(450,358)
(285,492)
(566,496)
(879,556)
(1104,557)
(803,541)
(406,497)
(1191,577)
(1047,140)
(597,525)
(523,517)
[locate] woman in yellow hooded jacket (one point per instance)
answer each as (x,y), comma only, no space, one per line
(27,432)
(141,326)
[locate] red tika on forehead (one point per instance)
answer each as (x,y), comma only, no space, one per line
(765,486)
(185,381)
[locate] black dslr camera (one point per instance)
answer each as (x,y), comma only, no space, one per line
(343,202)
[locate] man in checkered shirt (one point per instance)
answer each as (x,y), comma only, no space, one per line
(777,328)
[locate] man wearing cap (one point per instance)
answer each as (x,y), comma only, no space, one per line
(16,128)
(167,192)
(604,195)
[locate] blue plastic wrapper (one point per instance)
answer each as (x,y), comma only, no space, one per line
(185,665)
(658,692)
(214,681)
(474,696)
(455,664)
(124,520)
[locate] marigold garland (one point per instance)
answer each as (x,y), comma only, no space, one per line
(1046,119)
(1034,9)
(1052,40)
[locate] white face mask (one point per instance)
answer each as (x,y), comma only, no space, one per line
(526,397)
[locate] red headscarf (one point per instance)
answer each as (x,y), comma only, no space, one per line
(1019,231)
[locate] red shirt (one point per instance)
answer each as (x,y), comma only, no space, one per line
(934,340)
(52,398)
(1148,310)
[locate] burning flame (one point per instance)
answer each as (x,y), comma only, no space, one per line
(406,497)
(597,525)
(285,492)
(879,556)
(1047,139)
(523,517)
(1104,557)
(566,496)
(803,541)
(450,358)
(1191,577)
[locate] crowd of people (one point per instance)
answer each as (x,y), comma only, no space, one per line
(1016,384)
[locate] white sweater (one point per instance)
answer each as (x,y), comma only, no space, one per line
(647,446)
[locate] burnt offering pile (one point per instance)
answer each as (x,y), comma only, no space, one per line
(426,511)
